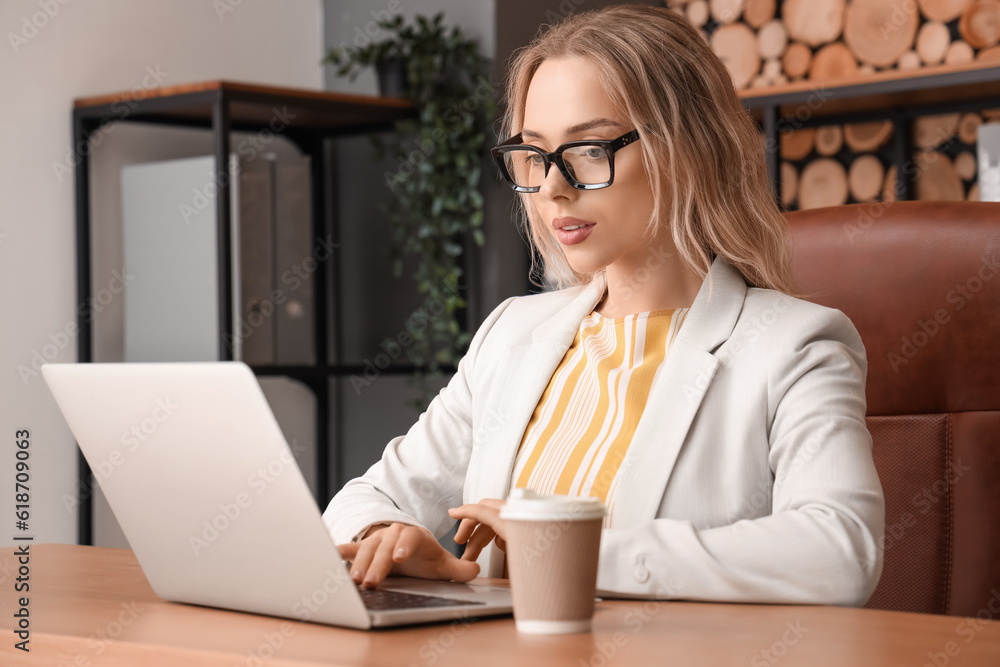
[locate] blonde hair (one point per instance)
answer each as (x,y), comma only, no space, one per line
(703,151)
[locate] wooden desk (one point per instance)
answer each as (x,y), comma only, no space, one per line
(92,606)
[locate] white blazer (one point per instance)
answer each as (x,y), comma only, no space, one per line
(750,476)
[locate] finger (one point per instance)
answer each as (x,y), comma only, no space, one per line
(464,531)
(481,512)
(348,551)
(479,540)
(381,563)
(475,511)
(472,552)
(407,544)
(363,557)
(460,570)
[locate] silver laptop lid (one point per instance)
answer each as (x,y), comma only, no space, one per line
(205,488)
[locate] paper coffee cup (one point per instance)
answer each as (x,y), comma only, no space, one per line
(553,543)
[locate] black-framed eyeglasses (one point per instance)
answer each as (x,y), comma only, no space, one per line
(586,165)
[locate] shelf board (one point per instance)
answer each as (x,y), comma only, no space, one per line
(881,91)
(250,105)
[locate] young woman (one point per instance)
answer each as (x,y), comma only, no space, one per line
(674,376)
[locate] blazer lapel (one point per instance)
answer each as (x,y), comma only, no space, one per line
(529,367)
(676,395)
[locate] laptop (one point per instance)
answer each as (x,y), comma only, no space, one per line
(205,488)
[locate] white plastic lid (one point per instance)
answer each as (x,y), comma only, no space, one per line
(526,505)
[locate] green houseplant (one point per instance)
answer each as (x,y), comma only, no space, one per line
(435,207)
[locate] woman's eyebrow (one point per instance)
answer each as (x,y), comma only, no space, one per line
(580,127)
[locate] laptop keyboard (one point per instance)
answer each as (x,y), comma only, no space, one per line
(378,599)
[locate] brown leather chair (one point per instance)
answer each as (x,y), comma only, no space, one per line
(921,282)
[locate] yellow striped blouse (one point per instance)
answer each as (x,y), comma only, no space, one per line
(583,424)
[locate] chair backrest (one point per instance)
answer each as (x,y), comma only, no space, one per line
(921,282)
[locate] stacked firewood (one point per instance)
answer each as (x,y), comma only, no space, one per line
(772,42)
(942,166)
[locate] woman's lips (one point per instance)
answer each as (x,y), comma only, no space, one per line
(571,231)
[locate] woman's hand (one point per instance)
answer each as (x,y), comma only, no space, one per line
(481,524)
(406,550)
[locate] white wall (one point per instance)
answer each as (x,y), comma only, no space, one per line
(84,49)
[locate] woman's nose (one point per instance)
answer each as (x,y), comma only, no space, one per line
(555,184)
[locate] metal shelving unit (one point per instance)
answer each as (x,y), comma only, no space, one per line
(309,118)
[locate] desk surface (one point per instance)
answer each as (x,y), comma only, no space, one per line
(92,606)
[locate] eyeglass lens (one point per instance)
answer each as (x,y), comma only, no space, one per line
(589,165)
